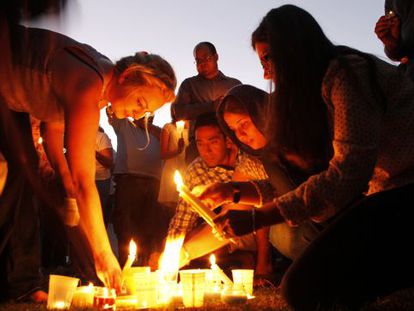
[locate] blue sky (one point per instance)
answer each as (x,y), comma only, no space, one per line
(171,29)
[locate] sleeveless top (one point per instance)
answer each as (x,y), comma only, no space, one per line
(29,87)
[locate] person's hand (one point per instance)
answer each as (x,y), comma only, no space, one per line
(216,194)
(108,270)
(180,145)
(387,29)
(233,223)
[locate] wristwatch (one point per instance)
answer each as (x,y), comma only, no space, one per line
(236,192)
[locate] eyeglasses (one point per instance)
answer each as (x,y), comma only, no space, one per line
(199,61)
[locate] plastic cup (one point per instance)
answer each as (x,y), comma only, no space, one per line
(243,279)
(146,285)
(193,286)
(130,278)
(61,290)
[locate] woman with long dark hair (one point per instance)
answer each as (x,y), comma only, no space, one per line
(341,120)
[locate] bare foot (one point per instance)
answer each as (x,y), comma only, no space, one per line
(38,296)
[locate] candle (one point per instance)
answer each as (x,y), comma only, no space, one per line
(218,273)
(180,127)
(59,305)
(204,212)
(83,296)
(131,256)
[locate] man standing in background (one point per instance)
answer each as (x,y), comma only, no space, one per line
(201,93)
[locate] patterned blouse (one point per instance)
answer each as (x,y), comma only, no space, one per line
(373,146)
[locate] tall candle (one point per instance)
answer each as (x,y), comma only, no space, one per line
(180,127)
(131,256)
(204,212)
(219,273)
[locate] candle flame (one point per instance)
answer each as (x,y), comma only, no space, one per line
(132,249)
(212,259)
(170,259)
(180,125)
(40,140)
(178,179)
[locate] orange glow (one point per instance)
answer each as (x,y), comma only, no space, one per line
(212,259)
(178,180)
(170,259)
(132,249)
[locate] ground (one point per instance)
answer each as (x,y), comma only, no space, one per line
(267,299)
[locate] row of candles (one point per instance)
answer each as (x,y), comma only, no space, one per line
(143,288)
(218,283)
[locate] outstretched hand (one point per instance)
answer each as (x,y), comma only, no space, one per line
(233,223)
(216,194)
(108,270)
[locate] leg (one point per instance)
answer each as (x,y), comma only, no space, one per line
(347,264)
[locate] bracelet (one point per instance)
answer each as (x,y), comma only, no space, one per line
(254,220)
(236,192)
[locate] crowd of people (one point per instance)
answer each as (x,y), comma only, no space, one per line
(321,176)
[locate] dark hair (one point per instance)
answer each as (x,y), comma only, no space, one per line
(206,119)
(206,44)
(232,105)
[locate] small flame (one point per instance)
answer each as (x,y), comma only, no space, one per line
(90,287)
(132,249)
(40,140)
(170,259)
(178,179)
(212,259)
(180,126)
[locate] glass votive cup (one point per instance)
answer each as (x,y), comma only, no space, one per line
(104,298)
(193,286)
(61,290)
(233,295)
(243,279)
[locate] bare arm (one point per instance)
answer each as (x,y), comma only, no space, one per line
(53,144)
(79,93)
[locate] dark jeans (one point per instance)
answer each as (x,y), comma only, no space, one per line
(364,254)
(103,187)
(19,218)
(136,215)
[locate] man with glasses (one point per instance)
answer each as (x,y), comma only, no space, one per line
(201,93)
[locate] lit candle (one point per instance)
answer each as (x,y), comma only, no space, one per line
(59,305)
(218,273)
(129,301)
(40,140)
(131,256)
(204,212)
(180,127)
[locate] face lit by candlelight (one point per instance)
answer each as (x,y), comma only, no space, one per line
(212,145)
(245,130)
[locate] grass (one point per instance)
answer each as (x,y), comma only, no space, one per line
(266,299)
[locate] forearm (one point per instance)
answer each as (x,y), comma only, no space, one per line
(201,242)
(91,219)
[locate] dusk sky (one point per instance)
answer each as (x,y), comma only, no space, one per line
(119,28)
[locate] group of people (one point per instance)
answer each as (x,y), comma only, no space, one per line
(324,171)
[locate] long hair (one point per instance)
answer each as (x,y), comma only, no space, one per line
(300,52)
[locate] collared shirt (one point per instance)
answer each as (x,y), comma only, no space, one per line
(197,94)
(197,173)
